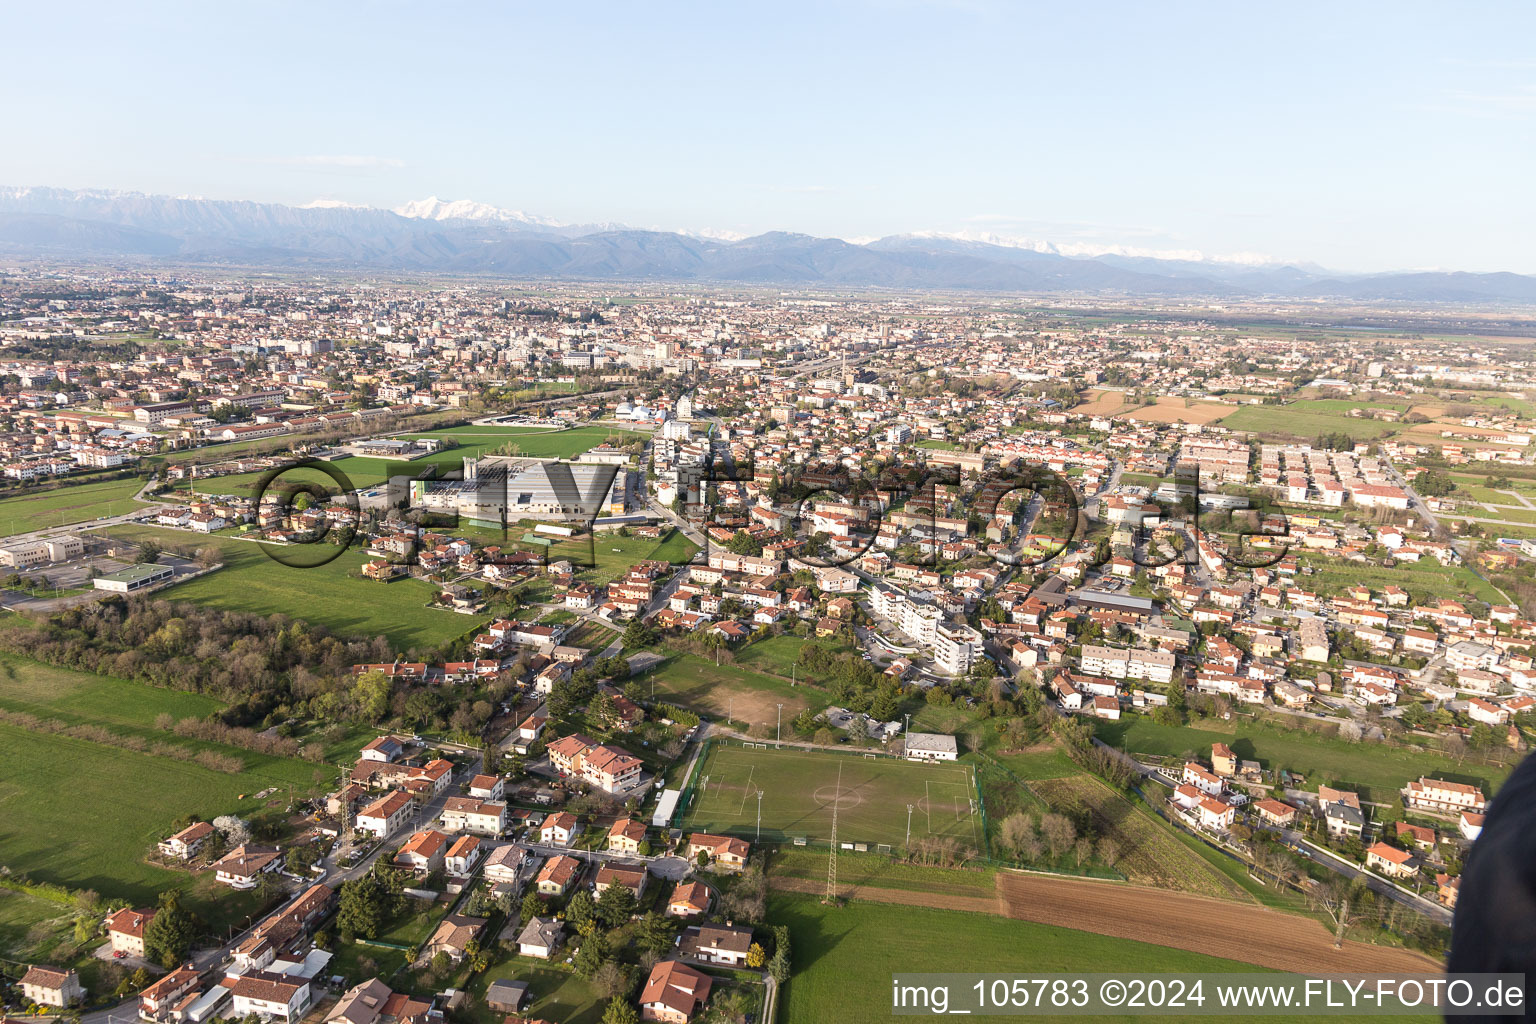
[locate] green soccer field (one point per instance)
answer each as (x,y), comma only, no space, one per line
(800,789)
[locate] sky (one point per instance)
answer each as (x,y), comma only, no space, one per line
(1353,136)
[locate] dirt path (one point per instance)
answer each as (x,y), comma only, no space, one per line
(1253,934)
(1200,924)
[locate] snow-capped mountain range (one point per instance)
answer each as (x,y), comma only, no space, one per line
(466,237)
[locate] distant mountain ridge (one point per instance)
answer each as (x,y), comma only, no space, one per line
(465,237)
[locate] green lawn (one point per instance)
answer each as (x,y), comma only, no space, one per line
(532,441)
(1300,421)
(73,503)
(843,957)
(778,654)
(1377,771)
(607,556)
(1426,578)
(799,789)
(85,815)
(748,697)
(881,872)
(331,595)
(127,709)
(555,992)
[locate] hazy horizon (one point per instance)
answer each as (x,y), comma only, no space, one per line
(1365,139)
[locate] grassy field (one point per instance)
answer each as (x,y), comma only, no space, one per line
(331,595)
(800,788)
(555,993)
(85,815)
(533,441)
(1300,421)
(130,709)
(747,697)
(882,872)
(75,503)
(1150,853)
(843,957)
(1378,772)
(607,556)
(1424,578)
(778,654)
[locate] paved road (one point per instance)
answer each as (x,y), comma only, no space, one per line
(1376,883)
(1333,862)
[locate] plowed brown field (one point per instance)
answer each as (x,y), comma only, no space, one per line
(1236,931)
(1257,935)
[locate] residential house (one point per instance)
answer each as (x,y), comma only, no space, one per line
(540,937)
(557,875)
(242,867)
(505,864)
(453,935)
(185,844)
(716,944)
(471,814)
(559,829)
(270,996)
(126,930)
(50,986)
(631,876)
(423,852)
(1444,797)
(725,852)
(461,856)
(626,835)
(1391,861)
(673,993)
(689,899)
(386,814)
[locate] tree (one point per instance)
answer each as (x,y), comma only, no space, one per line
(620,1012)
(756,958)
(169,933)
(370,695)
(637,634)
(532,906)
(149,552)
(778,966)
(1017,828)
(591,956)
(611,980)
(1109,851)
(581,911)
(1334,897)
(367,904)
(1082,850)
(615,905)
(655,933)
(1059,833)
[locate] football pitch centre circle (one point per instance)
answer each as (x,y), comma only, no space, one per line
(827,796)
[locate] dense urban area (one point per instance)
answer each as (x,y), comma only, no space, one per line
(392,651)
